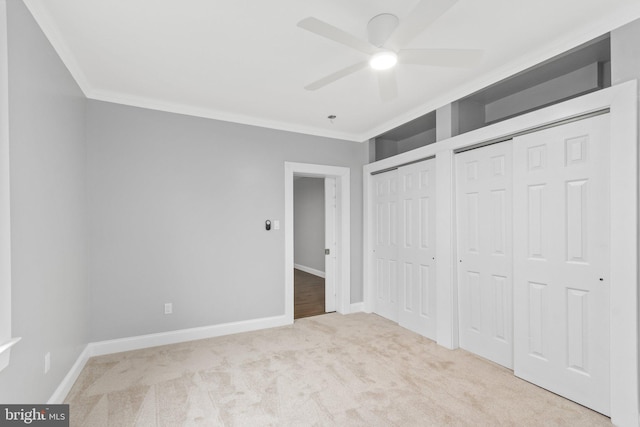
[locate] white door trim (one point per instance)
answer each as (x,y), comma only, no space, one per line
(343,231)
(6,340)
(330,260)
(622,102)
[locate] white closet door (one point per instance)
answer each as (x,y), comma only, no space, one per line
(416,248)
(483,199)
(386,245)
(561,260)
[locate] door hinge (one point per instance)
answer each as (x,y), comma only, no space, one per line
(327,251)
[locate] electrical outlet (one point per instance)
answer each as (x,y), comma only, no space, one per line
(47,362)
(168,308)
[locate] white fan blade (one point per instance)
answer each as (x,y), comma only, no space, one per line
(335,76)
(423,15)
(387,84)
(441,57)
(330,32)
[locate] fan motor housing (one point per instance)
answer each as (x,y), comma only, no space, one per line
(380,28)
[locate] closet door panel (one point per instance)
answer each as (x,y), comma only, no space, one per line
(416,248)
(484,233)
(386,245)
(561,260)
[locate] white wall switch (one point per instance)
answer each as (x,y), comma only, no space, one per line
(168,308)
(276,224)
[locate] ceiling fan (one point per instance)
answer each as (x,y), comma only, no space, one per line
(386,38)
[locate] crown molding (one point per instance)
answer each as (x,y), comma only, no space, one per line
(177,108)
(577,37)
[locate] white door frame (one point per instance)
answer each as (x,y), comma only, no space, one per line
(330,260)
(621,100)
(343,231)
(6,341)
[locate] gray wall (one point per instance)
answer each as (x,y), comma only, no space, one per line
(416,141)
(577,82)
(177,207)
(385,148)
(625,53)
(470,116)
(308,222)
(48,212)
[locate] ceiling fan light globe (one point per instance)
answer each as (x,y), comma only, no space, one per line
(383,60)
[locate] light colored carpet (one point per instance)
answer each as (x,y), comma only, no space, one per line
(333,370)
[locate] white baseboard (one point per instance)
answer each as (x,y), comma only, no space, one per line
(172,337)
(64,388)
(357,307)
(309,270)
(101,348)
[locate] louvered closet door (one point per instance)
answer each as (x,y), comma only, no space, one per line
(386,245)
(416,248)
(561,260)
(484,225)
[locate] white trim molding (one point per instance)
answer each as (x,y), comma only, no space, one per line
(173,337)
(6,339)
(309,270)
(544,52)
(7,345)
(5,352)
(357,307)
(621,100)
(60,394)
(102,348)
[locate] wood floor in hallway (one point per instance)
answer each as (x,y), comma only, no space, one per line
(308,294)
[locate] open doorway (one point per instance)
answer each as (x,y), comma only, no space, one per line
(314,246)
(334,181)
(308,294)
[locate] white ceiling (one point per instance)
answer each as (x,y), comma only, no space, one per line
(246,61)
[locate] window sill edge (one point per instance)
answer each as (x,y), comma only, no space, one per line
(5,351)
